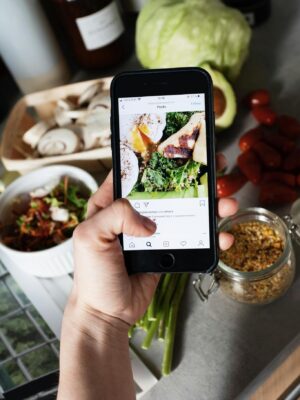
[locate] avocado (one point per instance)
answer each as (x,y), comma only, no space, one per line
(224,99)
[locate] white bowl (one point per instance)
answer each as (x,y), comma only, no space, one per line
(57,260)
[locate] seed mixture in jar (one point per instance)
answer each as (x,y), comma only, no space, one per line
(256,247)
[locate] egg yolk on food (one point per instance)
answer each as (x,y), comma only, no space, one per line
(138,143)
(144,129)
(140,139)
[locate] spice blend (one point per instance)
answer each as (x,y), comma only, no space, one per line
(256,247)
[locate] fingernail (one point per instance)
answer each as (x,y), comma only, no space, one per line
(149,224)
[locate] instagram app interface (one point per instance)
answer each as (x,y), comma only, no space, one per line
(164,169)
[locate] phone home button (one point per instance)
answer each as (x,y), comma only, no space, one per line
(167,261)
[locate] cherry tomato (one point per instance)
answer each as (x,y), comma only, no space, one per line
(292,161)
(275,193)
(229,184)
(250,166)
(259,97)
(249,138)
(289,126)
(270,157)
(277,176)
(281,143)
(264,115)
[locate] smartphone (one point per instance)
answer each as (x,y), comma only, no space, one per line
(162,126)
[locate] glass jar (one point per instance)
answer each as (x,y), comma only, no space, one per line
(257,287)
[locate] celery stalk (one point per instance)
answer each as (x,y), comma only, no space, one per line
(171,325)
(164,305)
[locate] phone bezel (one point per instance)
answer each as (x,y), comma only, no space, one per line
(168,82)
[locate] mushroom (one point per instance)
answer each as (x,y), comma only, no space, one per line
(94,116)
(76,119)
(57,142)
(34,134)
(93,135)
(101,100)
(61,117)
(89,93)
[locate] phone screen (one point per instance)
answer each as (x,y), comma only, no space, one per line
(164,174)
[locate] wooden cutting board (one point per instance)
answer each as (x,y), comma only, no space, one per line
(280,380)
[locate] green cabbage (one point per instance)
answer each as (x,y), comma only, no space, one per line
(181,33)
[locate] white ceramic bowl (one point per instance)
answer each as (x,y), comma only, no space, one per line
(57,260)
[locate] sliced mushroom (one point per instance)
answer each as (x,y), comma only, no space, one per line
(61,116)
(97,116)
(57,142)
(34,134)
(102,135)
(89,93)
(101,100)
(66,104)
(88,138)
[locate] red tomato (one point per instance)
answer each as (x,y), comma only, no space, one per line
(249,138)
(250,166)
(259,97)
(275,193)
(264,115)
(283,177)
(270,157)
(229,184)
(292,161)
(281,143)
(289,126)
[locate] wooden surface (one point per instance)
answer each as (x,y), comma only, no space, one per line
(281,379)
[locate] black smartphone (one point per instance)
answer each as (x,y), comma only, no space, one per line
(162,126)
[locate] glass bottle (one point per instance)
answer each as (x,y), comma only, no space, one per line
(94,29)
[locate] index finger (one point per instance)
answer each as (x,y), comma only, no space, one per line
(102,198)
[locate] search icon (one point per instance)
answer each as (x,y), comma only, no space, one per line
(148,244)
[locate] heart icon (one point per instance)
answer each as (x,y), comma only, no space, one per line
(183,243)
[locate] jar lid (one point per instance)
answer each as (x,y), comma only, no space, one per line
(293,221)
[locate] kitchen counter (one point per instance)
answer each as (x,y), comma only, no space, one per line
(222,345)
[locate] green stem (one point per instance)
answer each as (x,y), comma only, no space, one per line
(146,325)
(150,334)
(160,314)
(151,308)
(164,287)
(171,325)
(162,329)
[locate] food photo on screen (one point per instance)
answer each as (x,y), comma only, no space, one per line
(163,155)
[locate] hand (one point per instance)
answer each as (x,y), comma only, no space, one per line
(102,285)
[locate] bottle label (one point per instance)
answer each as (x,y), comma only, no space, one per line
(101,28)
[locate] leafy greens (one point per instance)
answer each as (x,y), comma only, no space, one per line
(164,174)
(175,121)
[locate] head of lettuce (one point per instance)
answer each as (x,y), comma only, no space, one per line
(181,33)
